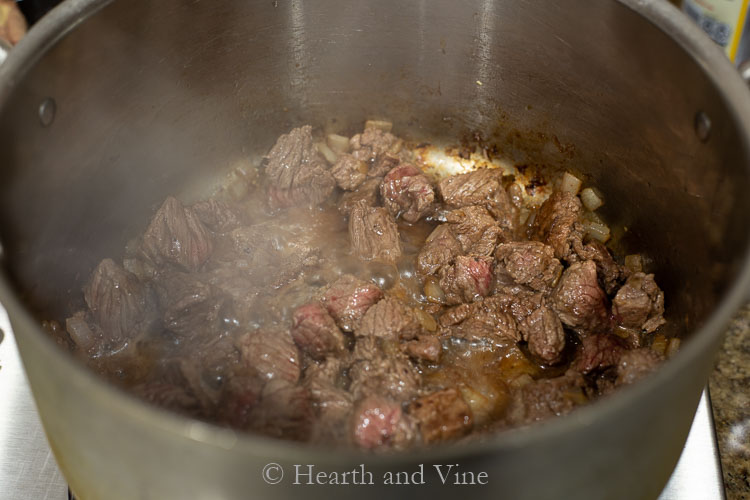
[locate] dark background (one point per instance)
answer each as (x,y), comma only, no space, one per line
(34,9)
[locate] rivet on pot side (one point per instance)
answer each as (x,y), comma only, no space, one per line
(47,110)
(702,126)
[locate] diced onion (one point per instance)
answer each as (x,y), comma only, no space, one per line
(598,231)
(236,185)
(672,347)
(433,292)
(329,155)
(570,183)
(634,263)
(379,124)
(590,199)
(338,143)
(659,344)
(426,320)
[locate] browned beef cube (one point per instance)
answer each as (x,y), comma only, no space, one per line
(271,353)
(389,318)
(332,404)
(544,398)
(441,416)
(190,307)
(609,271)
(378,149)
(217,215)
(177,236)
(169,396)
(349,172)
(407,193)
(425,347)
(544,333)
(598,352)
(379,367)
(529,263)
(469,279)
(480,187)
(639,303)
(241,394)
(368,191)
(373,234)
(485,320)
(379,423)
(476,230)
(285,411)
(440,249)
(348,299)
(296,172)
(120,304)
(315,332)
(557,223)
(579,301)
(635,364)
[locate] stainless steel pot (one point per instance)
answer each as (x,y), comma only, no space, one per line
(110,105)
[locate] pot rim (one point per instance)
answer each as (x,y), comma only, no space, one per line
(69,14)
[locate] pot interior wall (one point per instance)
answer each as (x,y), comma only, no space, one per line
(159,97)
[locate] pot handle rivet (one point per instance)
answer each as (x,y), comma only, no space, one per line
(702,126)
(47,110)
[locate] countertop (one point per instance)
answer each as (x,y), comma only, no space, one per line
(730,395)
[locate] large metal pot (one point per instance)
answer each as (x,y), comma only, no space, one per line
(110,105)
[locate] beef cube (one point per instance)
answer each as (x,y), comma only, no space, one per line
(557,223)
(484,320)
(296,172)
(390,318)
(285,411)
(480,187)
(120,304)
(441,416)
(271,353)
(379,367)
(467,280)
(348,299)
(598,352)
(519,301)
(177,236)
(349,172)
(315,331)
(373,234)
(544,333)
(379,423)
(368,192)
(544,398)
(190,307)
(476,230)
(217,215)
(579,301)
(378,149)
(440,249)
(529,263)
(639,303)
(331,402)
(241,394)
(407,193)
(607,269)
(424,347)
(635,364)
(169,396)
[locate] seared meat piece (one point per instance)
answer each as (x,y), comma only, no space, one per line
(349,172)
(169,396)
(373,234)
(379,422)
(480,187)
(439,250)
(544,333)
(529,263)
(557,223)
(120,304)
(389,318)
(441,416)
(240,396)
(296,172)
(598,352)
(331,402)
(639,303)
(608,270)
(487,319)
(476,230)
(348,299)
(544,398)
(191,308)
(426,347)
(285,411)
(315,332)
(635,364)
(378,149)
(467,280)
(271,353)
(378,367)
(579,301)
(407,193)
(176,235)
(368,191)
(217,215)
